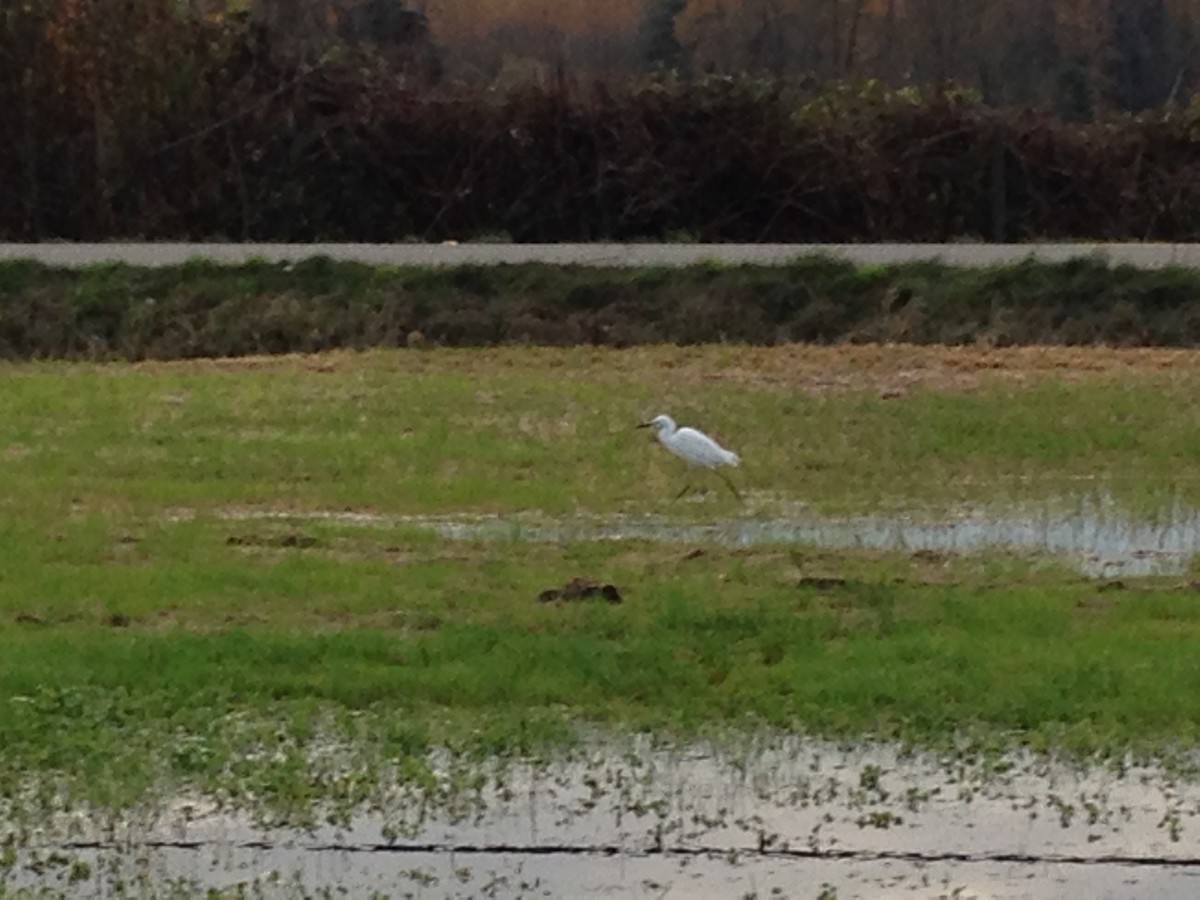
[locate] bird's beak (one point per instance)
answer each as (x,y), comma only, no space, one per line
(645,424)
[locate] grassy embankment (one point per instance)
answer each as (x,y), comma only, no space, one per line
(150,640)
(207,310)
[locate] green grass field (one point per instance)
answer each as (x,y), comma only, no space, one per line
(848,429)
(152,642)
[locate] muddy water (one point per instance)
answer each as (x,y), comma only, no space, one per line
(777,818)
(1092,534)
(782,817)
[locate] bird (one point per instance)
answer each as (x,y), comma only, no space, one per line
(695,448)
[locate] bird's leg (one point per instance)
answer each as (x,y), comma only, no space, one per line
(687,486)
(727,480)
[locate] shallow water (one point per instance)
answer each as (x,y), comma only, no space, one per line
(1094,535)
(781,817)
(786,817)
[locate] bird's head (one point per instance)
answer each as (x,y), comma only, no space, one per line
(660,423)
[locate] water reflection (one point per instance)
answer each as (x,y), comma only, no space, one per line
(1096,537)
(695,820)
(1094,534)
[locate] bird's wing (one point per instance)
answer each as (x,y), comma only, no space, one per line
(701,450)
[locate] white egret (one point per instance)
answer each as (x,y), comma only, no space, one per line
(695,448)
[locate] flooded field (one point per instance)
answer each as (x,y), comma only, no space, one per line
(208,563)
(1093,534)
(778,817)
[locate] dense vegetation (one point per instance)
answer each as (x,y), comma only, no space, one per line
(230,136)
(208,310)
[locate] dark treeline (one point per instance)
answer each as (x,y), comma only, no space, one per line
(1077,58)
(143,119)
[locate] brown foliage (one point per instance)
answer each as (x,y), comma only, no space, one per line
(224,138)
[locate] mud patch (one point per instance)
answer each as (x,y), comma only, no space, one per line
(292,539)
(581,589)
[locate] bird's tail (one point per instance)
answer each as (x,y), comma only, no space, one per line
(732,458)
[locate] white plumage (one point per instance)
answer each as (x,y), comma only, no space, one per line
(694,447)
